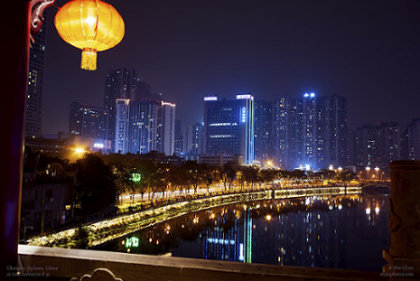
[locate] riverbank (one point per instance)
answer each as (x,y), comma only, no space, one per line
(94,234)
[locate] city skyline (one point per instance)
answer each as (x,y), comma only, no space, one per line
(248,48)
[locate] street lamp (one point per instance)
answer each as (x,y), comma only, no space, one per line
(377,169)
(367,172)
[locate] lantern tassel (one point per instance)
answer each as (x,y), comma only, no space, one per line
(88,59)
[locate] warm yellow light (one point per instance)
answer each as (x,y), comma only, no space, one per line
(268,217)
(90,25)
(79,150)
(269,163)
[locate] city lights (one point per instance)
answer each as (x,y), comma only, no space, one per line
(135,177)
(132,242)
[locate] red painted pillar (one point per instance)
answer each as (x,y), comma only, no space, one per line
(14,75)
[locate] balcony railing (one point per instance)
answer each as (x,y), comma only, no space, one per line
(71,263)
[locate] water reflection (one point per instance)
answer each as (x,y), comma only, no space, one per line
(337,232)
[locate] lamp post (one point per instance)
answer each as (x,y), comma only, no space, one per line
(367,172)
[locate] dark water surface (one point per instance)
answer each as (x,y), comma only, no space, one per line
(330,231)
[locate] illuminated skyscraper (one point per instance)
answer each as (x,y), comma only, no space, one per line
(143,126)
(310,132)
(229,127)
(121,125)
(33,112)
(285,132)
(120,84)
(377,146)
(166,128)
(86,121)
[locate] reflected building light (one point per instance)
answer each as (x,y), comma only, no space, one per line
(377,210)
(367,211)
(221,241)
(241,252)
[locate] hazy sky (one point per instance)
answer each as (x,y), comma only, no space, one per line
(365,50)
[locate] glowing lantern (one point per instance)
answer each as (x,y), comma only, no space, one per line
(90,25)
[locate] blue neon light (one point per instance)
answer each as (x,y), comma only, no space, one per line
(243,115)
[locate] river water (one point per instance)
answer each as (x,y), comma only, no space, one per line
(348,231)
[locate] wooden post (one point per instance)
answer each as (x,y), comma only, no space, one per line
(403,255)
(15,51)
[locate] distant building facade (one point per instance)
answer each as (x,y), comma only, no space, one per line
(166,128)
(377,146)
(411,139)
(122,115)
(229,126)
(263,129)
(33,110)
(143,125)
(179,138)
(310,132)
(121,83)
(86,121)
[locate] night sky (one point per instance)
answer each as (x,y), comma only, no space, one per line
(365,50)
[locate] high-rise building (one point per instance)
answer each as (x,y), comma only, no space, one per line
(193,139)
(86,121)
(166,128)
(119,84)
(179,138)
(122,120)
(263,125)
(377,146)
(366,149)
(229,126)
(310,132)
(33,112)
(196,138)
(390,143)
(338,147)
(143,126)
(285,132)
(411,140)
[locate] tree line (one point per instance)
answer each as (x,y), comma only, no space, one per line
(99,179)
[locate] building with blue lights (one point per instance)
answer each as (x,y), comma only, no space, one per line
(143,126)
(122,121)
(310,132)
(229,127)
(166,128)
